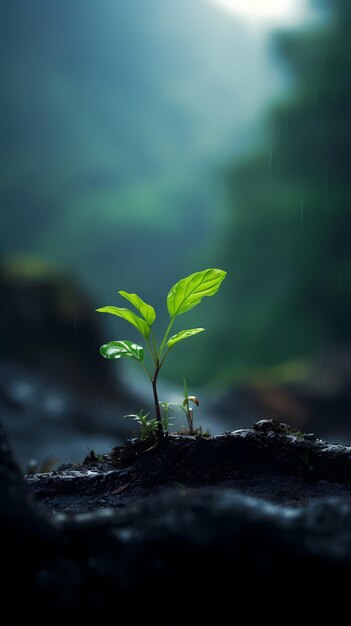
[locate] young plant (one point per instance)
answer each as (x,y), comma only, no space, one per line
(147,427)
(167,409)
(188,410)
(183,296)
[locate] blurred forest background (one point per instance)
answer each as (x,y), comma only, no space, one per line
(141,142)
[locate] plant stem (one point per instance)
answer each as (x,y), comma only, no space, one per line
(165,337)
(191,421)
(157,404)
(189,411)
(163,360)
(145,370)
(154,344)
(188,415)
(153,354)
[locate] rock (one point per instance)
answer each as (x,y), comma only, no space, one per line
(26,535)
(272,462)
(199,545)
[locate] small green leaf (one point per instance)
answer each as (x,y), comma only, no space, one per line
(183,334)
(122,350)
(142,326)
(189,291)
(146,310)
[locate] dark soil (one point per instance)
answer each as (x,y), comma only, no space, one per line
(151,521)
(268,461)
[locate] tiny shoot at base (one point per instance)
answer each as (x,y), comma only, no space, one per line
(182,297)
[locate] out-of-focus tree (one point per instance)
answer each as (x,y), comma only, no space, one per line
(288,242)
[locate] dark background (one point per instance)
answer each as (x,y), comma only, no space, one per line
(141,142)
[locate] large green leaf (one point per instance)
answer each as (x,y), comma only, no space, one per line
(142,326)
(122,350)
(189,291)
(146,310)
(183,334)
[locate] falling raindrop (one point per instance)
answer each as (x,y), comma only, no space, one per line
(340,280)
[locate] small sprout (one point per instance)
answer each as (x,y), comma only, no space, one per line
(147,426)
(193,399)
(166,406)
(182,297)
(205,433)
(188,409)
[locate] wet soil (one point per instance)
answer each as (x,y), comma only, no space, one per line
(264,462)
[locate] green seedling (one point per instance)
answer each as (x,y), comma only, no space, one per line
(147,426)
(188,410)
(183,296)
(167,410)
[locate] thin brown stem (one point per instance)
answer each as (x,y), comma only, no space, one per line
(156,401)
(189,415)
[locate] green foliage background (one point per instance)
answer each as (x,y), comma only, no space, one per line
(131,156)
(288,242)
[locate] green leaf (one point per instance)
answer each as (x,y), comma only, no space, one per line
(146,310)
(122,350)
(142,326)
(189,291)
(183,334)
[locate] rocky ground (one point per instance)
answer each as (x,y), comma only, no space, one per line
(269,461)
(199,519)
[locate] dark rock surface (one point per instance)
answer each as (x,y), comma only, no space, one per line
(268,461)
(202,545)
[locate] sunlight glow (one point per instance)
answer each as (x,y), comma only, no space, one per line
(270,10)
